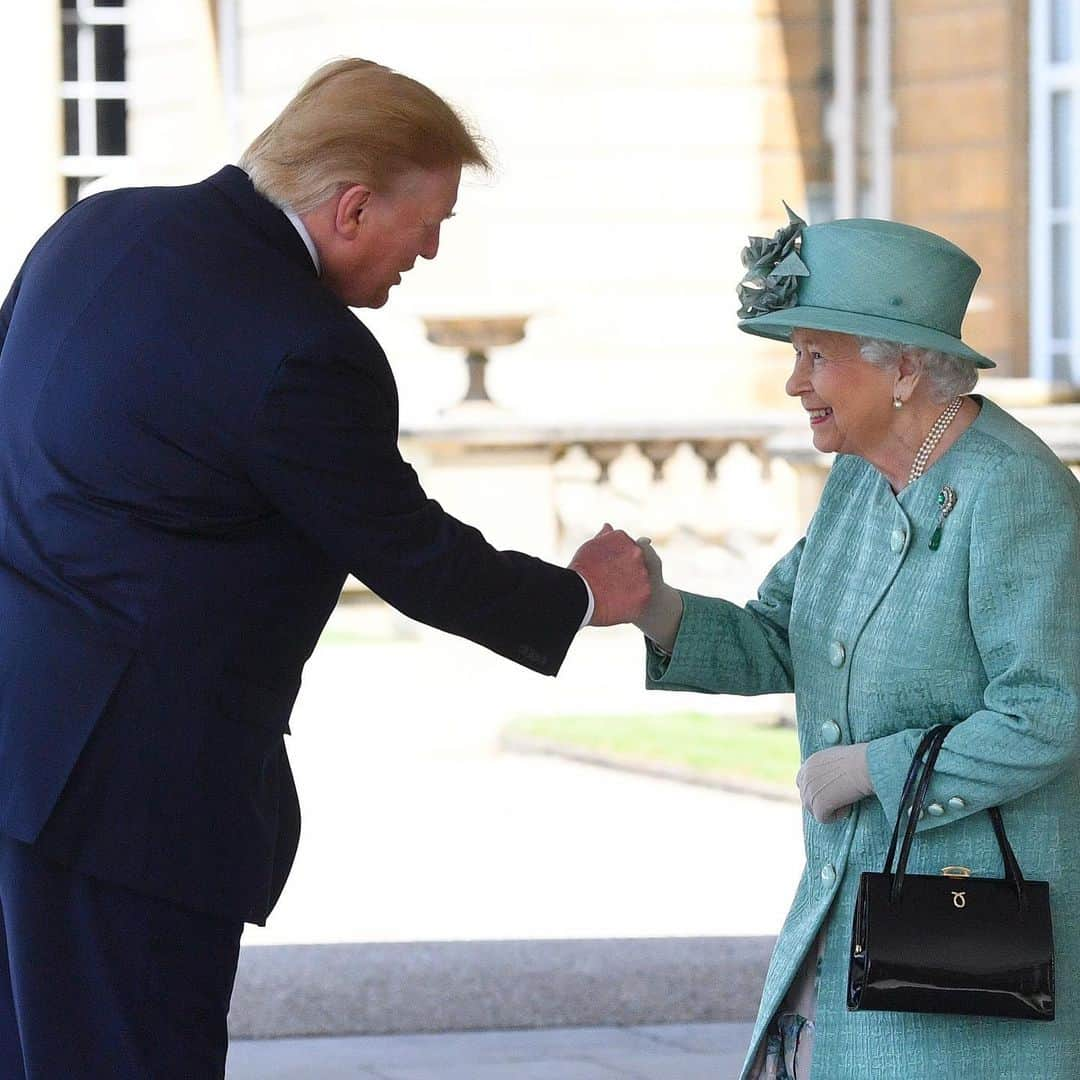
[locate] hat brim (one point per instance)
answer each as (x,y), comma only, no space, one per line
(778,325)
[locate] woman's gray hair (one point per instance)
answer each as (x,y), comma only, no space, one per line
(949,375)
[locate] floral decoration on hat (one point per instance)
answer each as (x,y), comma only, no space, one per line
(773,269)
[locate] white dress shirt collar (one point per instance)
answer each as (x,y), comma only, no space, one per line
(301,228)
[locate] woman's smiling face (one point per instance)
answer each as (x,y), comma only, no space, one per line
(848,399)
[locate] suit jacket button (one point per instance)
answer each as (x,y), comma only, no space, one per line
(828,873)
(837,653)
(897,541)
(935,809)
(957,803)
(830,732)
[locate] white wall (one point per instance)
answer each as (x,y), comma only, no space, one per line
(627,136)
(30,185)
(631,151)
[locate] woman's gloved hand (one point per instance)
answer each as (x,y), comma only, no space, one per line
(659,622)
(832,779)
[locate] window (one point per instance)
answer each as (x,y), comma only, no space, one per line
(94,90)
(1055,190)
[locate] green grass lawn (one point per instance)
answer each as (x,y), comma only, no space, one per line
(731,746)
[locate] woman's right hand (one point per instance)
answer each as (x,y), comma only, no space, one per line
(659,621)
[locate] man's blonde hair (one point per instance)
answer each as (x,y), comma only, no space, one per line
(355,121)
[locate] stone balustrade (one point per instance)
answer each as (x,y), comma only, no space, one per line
(722,500)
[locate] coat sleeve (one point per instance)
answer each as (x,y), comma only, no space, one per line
(8,308)
(722,648)
(323,450)
(1024,607)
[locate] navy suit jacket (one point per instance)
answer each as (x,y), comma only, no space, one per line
(198,442)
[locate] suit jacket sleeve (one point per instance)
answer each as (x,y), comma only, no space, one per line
(722,648)
(323,450)
(1024,607)
(8,308)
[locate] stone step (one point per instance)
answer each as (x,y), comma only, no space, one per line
(414,987)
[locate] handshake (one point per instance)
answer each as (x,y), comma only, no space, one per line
(627,582)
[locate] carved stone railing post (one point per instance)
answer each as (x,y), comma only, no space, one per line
(658,451)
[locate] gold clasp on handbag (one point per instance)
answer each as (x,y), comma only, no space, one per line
(955,871)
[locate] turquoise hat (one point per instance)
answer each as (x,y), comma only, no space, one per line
(860,276)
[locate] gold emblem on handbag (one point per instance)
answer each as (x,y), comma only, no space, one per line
(923,943)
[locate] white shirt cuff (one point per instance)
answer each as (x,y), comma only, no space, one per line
(592,604)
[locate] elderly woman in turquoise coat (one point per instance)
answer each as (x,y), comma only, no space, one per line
(938,582)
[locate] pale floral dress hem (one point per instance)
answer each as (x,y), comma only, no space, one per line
(787,1046)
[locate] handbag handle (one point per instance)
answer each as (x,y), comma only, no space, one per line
(914,796)
(909,788)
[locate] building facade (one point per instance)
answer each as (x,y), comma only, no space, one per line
(636,145)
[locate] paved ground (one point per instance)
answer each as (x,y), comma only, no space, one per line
(417,829)
(670,1052)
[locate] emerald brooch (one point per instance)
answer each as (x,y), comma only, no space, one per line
(946,500)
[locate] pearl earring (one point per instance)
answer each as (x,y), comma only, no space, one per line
(897,403)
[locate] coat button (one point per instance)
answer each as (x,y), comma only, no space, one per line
(897,541)
(935,809)
(830,732)
(957,803)
(828,873)
(837,653)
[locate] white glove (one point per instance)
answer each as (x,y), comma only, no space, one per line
(659,622)
(832,779)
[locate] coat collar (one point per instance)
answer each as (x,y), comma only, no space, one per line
(269,219)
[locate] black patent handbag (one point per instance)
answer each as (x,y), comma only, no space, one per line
(951,943)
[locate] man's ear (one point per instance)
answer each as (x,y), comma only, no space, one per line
(348,215)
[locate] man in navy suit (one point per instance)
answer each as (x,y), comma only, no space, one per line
(198,441)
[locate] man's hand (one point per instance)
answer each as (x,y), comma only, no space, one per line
(832,779)
(614,566)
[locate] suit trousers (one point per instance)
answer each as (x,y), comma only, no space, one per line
(101,983)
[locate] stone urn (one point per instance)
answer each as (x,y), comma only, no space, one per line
(476,334)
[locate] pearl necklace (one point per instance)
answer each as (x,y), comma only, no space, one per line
(918,466)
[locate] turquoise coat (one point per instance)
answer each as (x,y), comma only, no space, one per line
(881,638)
